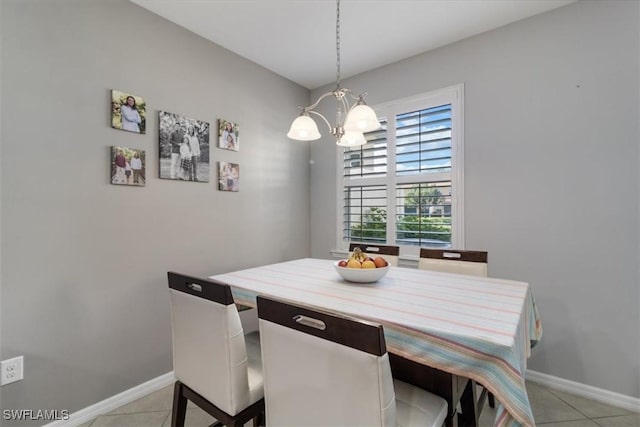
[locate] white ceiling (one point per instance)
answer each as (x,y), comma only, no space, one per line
(296,38)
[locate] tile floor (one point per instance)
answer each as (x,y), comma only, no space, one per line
(551,408)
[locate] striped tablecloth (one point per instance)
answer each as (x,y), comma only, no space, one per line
(476,327)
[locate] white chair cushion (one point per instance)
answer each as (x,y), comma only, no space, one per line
(391,259)
(452,266)
(345,387)
(418,407)
(209,352)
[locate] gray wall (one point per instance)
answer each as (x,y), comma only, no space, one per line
(1,134)
(84,280)
(551,174)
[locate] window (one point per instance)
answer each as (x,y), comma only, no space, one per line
(405,187)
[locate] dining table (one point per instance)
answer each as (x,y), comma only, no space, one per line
(444,332)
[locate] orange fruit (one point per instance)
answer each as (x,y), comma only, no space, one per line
(380,262)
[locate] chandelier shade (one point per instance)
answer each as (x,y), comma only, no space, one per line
(304,128)
(351,120)
(361,118)
(351,139)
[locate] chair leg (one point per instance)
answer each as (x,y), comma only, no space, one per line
(259,420)
(182,394)
(492,400)
(469,405)
(179,406)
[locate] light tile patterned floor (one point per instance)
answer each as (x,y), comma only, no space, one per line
(551,408)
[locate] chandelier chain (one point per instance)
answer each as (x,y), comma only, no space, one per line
(338,42)
(356,116)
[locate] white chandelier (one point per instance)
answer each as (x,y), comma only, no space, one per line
(352,121)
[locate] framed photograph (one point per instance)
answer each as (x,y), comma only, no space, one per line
(128,112)
(228,176)
(184,148)
(128,166)
(228,135)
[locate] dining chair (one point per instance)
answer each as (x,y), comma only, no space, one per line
(473,263)
(215,367)
(389,253)
(326,369)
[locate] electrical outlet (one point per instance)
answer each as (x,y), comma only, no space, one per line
(11,370)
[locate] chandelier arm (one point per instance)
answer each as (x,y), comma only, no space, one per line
(360,97)
(315,104)
(343,104)
(323,118)
(347,108)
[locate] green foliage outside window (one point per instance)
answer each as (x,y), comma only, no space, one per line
(424,197)
(424,228)
(374,227)
(420,225)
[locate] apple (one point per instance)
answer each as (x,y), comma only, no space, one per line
(380,262)
(368,264)
(354,263)
(342,263)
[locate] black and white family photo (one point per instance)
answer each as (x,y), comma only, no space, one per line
(128,112)
(228,135)
(127,166)
(184,148)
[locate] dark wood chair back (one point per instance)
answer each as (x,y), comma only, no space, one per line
(208,289)
(376,249)
(341,329)
(454,255)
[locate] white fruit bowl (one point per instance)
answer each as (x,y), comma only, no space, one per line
(361,275)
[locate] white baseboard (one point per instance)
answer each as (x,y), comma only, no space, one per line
(113,402)
(589,392)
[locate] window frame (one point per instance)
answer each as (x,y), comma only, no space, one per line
(453,95)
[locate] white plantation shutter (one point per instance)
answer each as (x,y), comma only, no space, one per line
(364,208)
(404,186)
(365,213)
(369,160)
(423,141)
(423,212)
